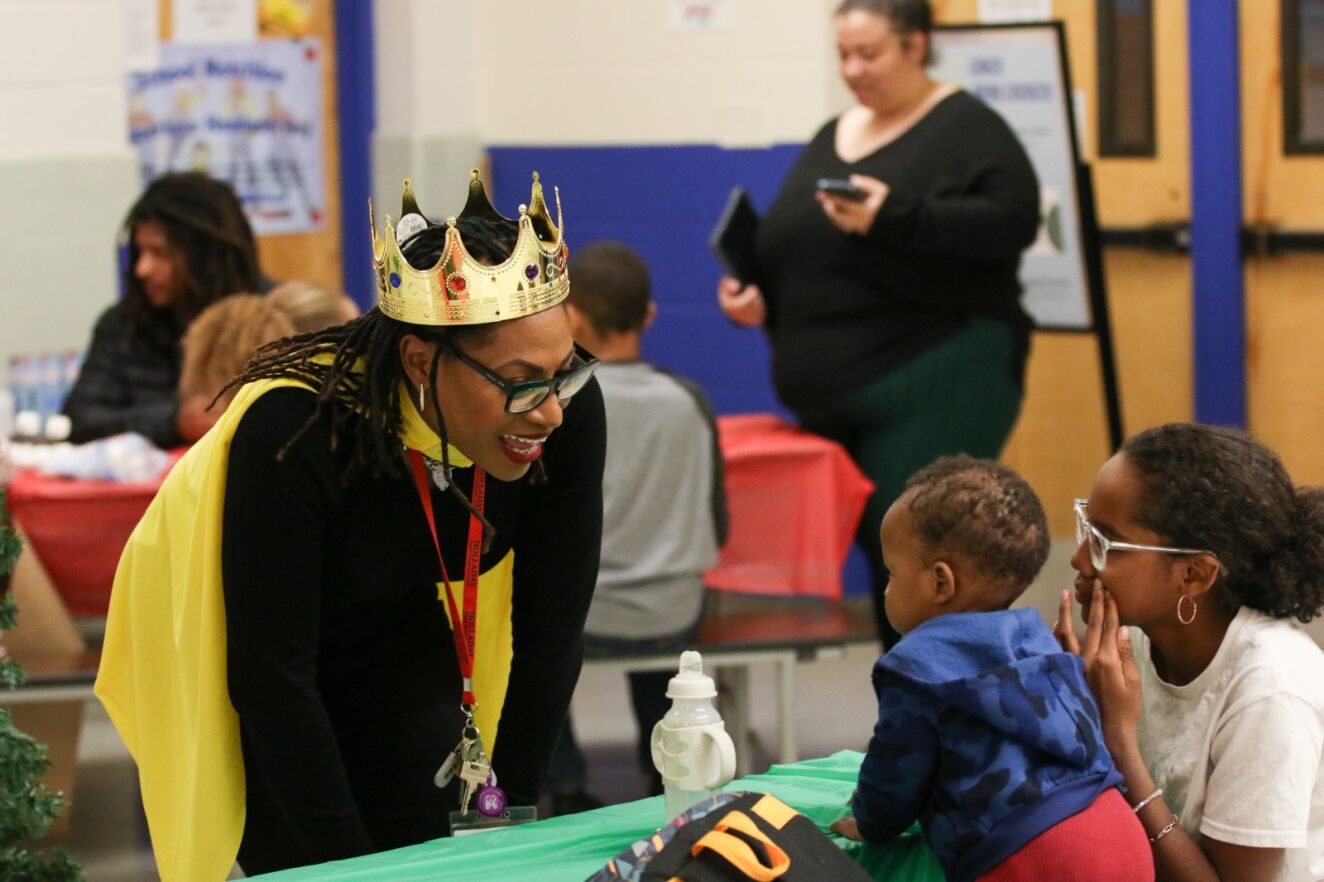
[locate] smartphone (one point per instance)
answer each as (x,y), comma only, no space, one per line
(842,189)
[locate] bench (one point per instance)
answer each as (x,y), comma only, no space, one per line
(738,633)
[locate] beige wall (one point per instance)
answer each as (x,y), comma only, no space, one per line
(66,172)
(603,72)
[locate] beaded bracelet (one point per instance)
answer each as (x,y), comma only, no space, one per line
(1147,800)
(1166,830)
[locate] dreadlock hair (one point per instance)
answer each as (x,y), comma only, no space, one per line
(1220,489)
(202,217)
(984,512)
(369,400)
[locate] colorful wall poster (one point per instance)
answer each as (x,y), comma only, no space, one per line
(248,113)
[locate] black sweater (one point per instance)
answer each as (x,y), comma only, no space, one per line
(342,665)
(128,382)
(844,310)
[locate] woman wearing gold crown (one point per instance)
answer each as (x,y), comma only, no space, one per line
(358,601)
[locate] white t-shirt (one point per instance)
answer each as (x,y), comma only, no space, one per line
(1238,751)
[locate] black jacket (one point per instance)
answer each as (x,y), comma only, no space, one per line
(127,384)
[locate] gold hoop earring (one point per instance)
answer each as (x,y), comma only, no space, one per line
(1194,609)
(421,406)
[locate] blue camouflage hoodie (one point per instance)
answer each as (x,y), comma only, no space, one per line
(987,733)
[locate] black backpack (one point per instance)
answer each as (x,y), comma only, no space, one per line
(731,838)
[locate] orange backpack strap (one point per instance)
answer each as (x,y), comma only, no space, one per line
(774,811)
(738,853)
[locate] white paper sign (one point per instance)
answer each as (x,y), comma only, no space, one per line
(214,21)
(692,15)
(249,114)
(1018,71)
(1015,10)
(141,34)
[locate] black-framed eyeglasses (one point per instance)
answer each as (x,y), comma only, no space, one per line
(523,396)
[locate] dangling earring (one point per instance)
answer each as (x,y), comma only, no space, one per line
(1194,610)
(421,405)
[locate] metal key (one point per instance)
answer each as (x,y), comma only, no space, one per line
(453,762)
(474,775)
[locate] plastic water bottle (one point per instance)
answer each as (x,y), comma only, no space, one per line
(49,376)
(71,364)
(22,383)
(691,748)
(7,411)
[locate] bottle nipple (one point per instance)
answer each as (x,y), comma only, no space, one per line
(690,681)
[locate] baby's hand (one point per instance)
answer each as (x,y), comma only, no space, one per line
(847,827)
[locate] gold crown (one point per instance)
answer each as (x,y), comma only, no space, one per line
(459,290)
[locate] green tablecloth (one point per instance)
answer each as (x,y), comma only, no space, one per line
(572,847)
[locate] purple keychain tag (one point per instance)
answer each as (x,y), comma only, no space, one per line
(491,800)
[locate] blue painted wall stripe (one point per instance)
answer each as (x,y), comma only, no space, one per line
(1219,327)
(356,117)
(663,202)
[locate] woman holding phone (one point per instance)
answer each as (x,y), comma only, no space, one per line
(891,300)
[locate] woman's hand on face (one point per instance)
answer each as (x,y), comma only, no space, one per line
(855,217)
(1111,670)
(1064,629)
(743,304)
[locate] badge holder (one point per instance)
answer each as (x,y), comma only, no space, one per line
(474,821)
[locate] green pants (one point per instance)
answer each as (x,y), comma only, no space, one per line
(962,396)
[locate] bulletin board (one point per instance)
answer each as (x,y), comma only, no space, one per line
(292,198)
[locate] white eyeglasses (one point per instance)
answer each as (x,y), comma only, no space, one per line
(1100,544)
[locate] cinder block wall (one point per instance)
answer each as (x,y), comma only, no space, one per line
(67,174)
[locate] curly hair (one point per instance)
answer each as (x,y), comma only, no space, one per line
(1208,487)
(224,336)
(202,217)
(984,512)
(373,394)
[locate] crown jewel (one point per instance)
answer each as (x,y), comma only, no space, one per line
(459,290)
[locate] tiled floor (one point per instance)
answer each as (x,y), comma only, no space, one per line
(835,709)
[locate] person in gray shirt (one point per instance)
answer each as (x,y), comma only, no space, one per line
(664,501)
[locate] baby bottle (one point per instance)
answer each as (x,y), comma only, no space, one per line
(691,748)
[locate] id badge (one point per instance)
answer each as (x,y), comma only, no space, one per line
(475,821)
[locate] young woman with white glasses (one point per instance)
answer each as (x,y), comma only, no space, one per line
(1213,700)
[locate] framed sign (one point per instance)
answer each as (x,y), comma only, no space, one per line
(1020,71)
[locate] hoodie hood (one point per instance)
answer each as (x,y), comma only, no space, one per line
(1006,670)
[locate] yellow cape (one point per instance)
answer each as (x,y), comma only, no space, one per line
(163,667)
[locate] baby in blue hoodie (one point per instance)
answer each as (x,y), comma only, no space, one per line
(987,732)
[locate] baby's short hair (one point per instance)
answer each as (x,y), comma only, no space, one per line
(984,513)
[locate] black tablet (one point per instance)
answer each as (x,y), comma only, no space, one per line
(732,240)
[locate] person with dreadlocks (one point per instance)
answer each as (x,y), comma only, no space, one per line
(189,245)
(286,655)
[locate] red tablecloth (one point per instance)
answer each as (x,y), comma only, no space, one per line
(795,501)
(78,529)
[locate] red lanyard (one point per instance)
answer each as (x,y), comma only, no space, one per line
(464,629)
